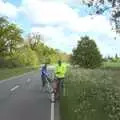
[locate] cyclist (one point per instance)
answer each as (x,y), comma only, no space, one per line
(44,74)
(60,72)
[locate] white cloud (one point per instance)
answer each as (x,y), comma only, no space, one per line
(43,12)
(56,38)
(48,31)
(109,46)
(57,12)
(8,9)
(54,12)
(86,24)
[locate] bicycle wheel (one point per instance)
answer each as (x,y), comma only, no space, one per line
(49,91)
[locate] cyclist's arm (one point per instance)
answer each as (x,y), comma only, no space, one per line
(41,72)
(47,75)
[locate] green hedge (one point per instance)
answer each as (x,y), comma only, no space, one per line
(9,63)
(25,57)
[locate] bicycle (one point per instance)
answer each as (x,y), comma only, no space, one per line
(51,86)
(60,87)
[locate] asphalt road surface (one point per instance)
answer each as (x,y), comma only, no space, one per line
(22,99)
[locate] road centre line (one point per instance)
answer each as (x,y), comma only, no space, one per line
(14,88)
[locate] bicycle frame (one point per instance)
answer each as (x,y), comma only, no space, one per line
(51,90)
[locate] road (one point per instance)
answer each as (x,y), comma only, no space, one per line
(22,99)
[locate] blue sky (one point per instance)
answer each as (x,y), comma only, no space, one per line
(15,2)
(61,23)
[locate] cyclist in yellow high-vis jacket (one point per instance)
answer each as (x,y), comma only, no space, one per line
(60,72)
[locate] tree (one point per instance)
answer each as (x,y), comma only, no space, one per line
(26,57)
(102,6)
(116,56)
(87,54)
(15,51)
(34,39)
(10,36)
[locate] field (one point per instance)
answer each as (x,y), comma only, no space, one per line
(91,94)
(111,65)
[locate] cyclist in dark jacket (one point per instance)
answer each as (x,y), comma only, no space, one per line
(44,74)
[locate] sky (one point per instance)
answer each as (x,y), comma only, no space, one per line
(61,23)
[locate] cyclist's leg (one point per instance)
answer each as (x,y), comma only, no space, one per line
(61,86)
(43,81)
(62,83)
(58,88)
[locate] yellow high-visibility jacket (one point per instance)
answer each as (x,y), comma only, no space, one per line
(60,71)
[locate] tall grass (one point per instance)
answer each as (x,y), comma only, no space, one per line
(90,95)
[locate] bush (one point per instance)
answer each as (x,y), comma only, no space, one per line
(9,63)
(27,57)
(12,63)
(2,62)
(24,57)
(87,54)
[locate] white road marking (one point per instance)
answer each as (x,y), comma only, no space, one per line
(15,77)
(14,88)
(52,106)
(52,110)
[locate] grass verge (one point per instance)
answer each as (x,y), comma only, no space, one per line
(7,72)
(91,95)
